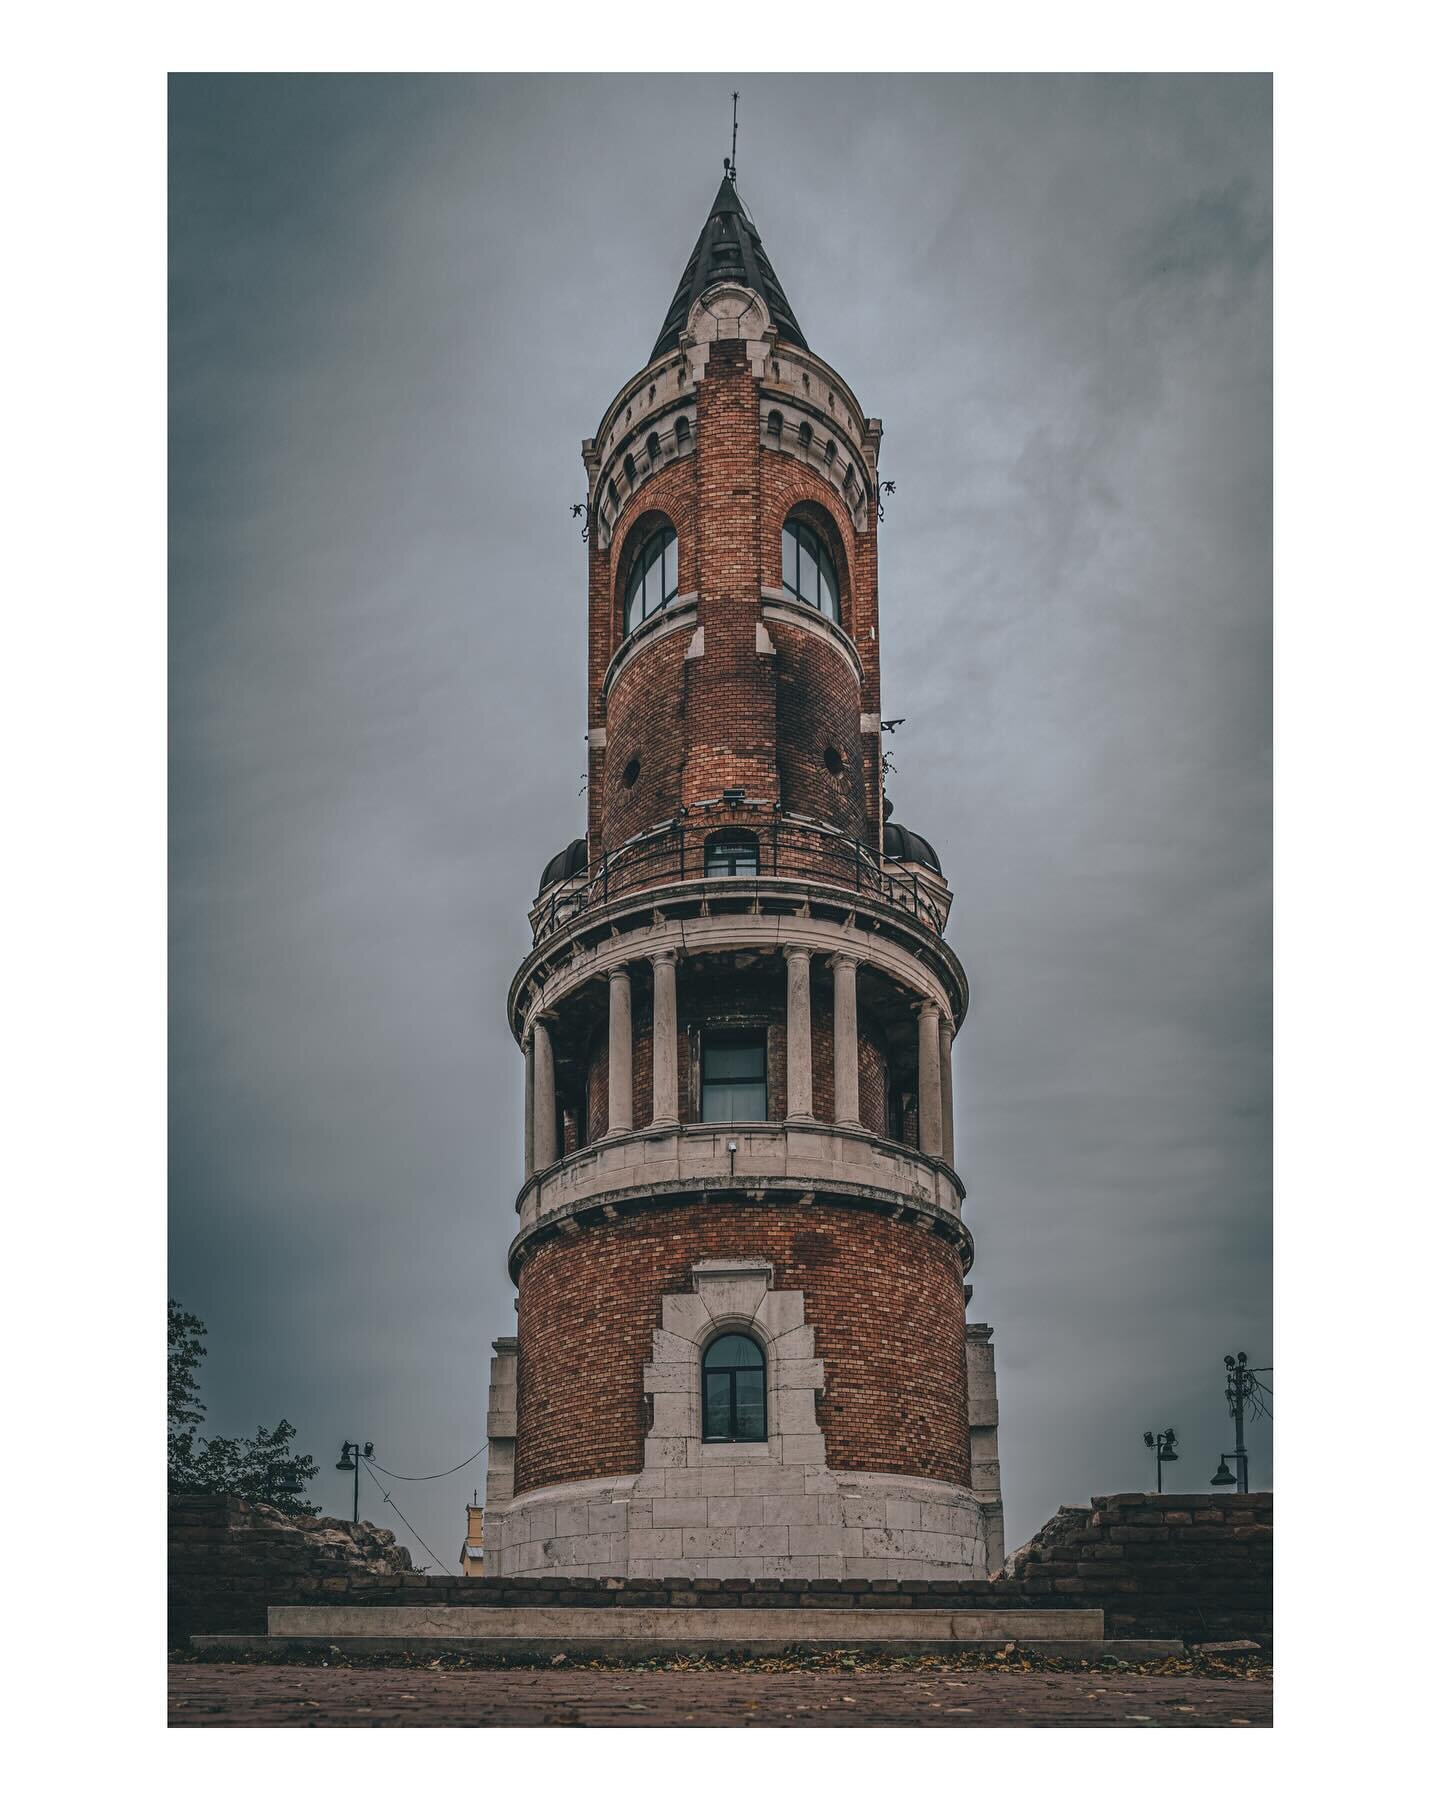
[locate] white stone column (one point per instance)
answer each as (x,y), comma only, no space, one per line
(799,1085)
(947,1091)
(543,1129)
(847,1041)
(621,1079)
(664,1057)
(529,1105)
(931,1139)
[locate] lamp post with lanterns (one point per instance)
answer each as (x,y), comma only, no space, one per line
(1163,1444)
(350,1455)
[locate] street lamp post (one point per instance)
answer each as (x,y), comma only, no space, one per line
(1163,1444)
(350,1455)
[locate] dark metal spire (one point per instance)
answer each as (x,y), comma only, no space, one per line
(728,249)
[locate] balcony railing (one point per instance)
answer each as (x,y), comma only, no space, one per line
(779,848)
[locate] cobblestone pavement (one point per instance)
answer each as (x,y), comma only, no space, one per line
(247,1694)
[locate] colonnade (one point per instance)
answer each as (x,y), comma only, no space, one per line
(935,1041)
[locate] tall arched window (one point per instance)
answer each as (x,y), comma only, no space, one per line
(807,570)
(653,579)
(732,1383)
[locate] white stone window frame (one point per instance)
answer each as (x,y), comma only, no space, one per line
(734,1295)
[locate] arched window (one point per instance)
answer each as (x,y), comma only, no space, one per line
(807,570)
(630,468)
(775,424)
(653,579)
(682,430)
(732,1384)
(652,446)
(732,853)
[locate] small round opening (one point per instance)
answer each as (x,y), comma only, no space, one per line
(834,761)
(632,772)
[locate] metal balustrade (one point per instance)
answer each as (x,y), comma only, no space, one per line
(787,848)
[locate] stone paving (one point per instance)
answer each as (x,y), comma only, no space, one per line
(229,1694)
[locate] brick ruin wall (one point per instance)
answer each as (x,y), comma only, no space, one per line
(1192,1566)
(229,1560)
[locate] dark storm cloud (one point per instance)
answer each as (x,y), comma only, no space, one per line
(398,305)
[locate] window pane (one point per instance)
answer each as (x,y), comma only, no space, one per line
(652,585)
(749,1405)
(788,558)
(735,1059)
(734,1351)
(807,582)
(672,580)
(717,1405)
(732,1102)
(827,592)
(732,856)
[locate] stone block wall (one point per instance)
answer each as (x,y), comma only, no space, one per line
(229,1560)
(1192,1566)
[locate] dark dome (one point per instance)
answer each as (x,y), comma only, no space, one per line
(904,845)
(571,861)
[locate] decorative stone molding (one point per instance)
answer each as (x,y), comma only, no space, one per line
(730,312)
(733,1296)
(984,1437)
(824,447)
(500,1423)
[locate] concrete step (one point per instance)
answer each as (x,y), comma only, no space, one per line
(621,1648)
(669,1624)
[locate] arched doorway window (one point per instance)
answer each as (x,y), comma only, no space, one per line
(732,1377)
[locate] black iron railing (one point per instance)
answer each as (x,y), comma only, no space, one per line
(778,848)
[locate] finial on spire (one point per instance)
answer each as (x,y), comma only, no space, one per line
(734,133)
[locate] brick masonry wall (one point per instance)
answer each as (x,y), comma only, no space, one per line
(229,1560)
(732,717)
(647,727)
(1193,1566)
(877,1292)
(817,709)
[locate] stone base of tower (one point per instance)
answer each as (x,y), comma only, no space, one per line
(736,1519)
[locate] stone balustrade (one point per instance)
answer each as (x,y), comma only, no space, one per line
(807,1155)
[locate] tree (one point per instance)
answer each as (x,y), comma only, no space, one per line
(262,1468)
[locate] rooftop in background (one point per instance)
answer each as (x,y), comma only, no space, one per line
(728,249)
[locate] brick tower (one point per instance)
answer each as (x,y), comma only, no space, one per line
(741,1341)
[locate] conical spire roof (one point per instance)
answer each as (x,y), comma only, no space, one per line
(728,249)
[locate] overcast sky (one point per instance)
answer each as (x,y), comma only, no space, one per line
(398,304)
